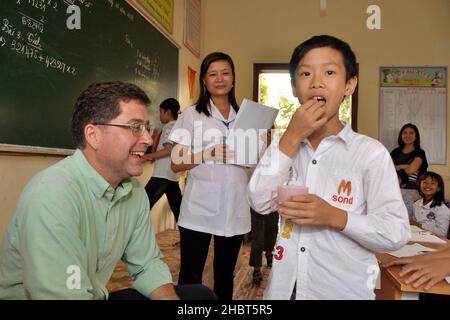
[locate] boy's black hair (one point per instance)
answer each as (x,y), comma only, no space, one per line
(171,104)
(321,42)
(202,104)
(401,144)
(439,197)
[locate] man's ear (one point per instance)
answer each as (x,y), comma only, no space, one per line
(350,86)
(92,135)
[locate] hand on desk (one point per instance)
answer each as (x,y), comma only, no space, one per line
(425,270)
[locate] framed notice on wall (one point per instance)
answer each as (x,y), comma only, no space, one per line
(415,95)
(159,10)
(192,26)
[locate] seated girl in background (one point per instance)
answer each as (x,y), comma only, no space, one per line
(409,158)
(430,212)
(410,162)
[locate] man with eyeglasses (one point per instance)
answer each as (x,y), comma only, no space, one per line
(77,218)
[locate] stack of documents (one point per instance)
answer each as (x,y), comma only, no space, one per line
(410,250)
(420,235)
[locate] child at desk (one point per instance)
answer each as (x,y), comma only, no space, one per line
(430,212)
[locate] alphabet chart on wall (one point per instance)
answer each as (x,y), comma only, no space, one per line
(415,95)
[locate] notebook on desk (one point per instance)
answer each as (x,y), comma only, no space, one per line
(420,235)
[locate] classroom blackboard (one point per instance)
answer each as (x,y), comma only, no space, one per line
(46,62)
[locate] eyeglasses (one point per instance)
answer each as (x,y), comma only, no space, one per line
(137,129)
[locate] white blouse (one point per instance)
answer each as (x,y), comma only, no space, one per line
(162,165)
(214,199)
(434,219)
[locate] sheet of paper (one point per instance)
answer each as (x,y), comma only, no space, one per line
(253,115)
(420,235)
(245,136)
(410,250)
(415,229)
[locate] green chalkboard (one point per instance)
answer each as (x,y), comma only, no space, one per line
(44,65)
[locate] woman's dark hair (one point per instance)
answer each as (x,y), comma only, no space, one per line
(321,42)
(171,104)
(100,103)
(202,104)
(401,144)
(439,196)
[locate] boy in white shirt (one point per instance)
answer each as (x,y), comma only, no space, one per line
(327,238)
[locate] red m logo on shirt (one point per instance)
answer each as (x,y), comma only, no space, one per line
(345,186)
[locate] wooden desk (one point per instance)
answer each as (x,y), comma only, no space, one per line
(392,286)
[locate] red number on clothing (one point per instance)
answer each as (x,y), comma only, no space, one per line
(279,254)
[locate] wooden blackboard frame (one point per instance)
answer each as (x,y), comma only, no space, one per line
(18,149)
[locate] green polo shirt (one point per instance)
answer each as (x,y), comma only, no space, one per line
(68,232)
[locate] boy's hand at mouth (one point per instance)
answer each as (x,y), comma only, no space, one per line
(307,119)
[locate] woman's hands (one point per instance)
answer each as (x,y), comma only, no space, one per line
(218,153)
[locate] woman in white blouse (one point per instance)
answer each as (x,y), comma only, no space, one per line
(214,201)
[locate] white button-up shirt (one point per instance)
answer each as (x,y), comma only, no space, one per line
(214,199)
(351,172)
(162,165)
(434,219)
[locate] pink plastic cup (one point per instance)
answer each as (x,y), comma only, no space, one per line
(284,192)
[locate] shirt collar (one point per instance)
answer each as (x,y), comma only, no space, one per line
(218,115)
(426,206)
(346,135)
(98,185)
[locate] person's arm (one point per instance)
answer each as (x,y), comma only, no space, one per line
(443,253)
(143,258)
(183,159)
(271,171)
(54,259)
(413,166)
(273,168)
(426,273)
(313,210)
(399,167)
(164,152)
(385,226)
(425,269)
(306,119)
